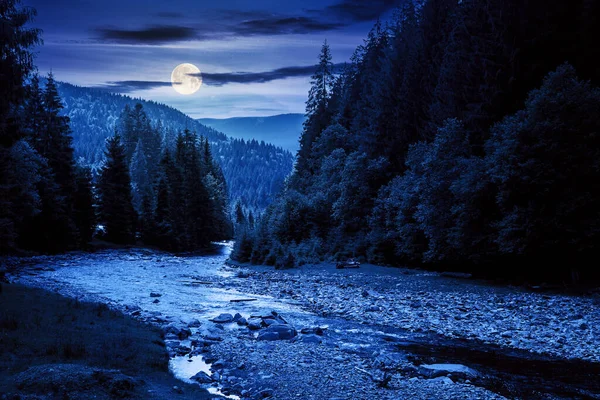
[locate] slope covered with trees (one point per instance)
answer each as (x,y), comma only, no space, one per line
(461,135)
(172,196)
(254,170)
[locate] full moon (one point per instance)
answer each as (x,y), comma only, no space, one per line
(182,80)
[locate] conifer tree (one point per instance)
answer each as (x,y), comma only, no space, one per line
(85,213)
(140,181)
(317,116)
(20,165)
(116,208)
(240,217)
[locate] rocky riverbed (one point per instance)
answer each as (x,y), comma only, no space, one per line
(321,333)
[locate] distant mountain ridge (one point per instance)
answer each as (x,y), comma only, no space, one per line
(282,130)
(254,171)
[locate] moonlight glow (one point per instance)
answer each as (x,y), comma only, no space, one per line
(182,80)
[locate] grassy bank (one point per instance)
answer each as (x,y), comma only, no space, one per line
(56,347)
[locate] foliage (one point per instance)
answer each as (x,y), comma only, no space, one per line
(434,147)
(254,170)
(116,208)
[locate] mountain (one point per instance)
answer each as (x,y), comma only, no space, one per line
(281,130)
(254,170)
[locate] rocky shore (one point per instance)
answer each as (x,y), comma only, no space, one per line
(321,333)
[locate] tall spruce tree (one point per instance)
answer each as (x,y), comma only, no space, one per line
(84,203)
(317,115)
(116,209)
(54,229)
(19,164)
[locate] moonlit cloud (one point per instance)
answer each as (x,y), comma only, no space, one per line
(256,57)
(124,87)
(220,79)
(150,35)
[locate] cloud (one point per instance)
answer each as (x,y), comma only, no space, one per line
(284,26)
(131,86)
(223,78)
(352,11)
(151,35)
(263,25)
(229,24)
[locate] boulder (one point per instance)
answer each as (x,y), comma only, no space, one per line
(152,294)
(310,338)
(278,332)
(271,321)
(180,332)
(237,317)
(223,319)
(269,336)
(194,323)
(444,380)
(254,324)
(315,331)
(202,377)
(456,370)
(242,321)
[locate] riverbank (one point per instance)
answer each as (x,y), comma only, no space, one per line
(367,333)
(561,325)
(56,347)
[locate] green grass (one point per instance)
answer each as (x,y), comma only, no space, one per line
(50,328)
(38,327)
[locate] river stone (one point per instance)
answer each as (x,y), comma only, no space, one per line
(316,331)
(278,332)
(310,338)
(202,377)
(254,324)
(223,319)
(271,321)
(444,380)
(437,370)
(264,335)
(180,332)
(194,323)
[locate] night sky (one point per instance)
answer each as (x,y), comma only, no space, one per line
(254,55)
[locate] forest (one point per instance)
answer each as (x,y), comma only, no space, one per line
(146,191)
(254,170)
(461,136)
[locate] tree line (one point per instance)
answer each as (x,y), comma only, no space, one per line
(461,135)
(173,198)
(254,170)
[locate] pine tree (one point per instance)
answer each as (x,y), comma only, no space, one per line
(34,112)
(317,115)
(16,63)
(116,208)
(85,213)
(20,165)
(138,170)
(240,217)
(250,220)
